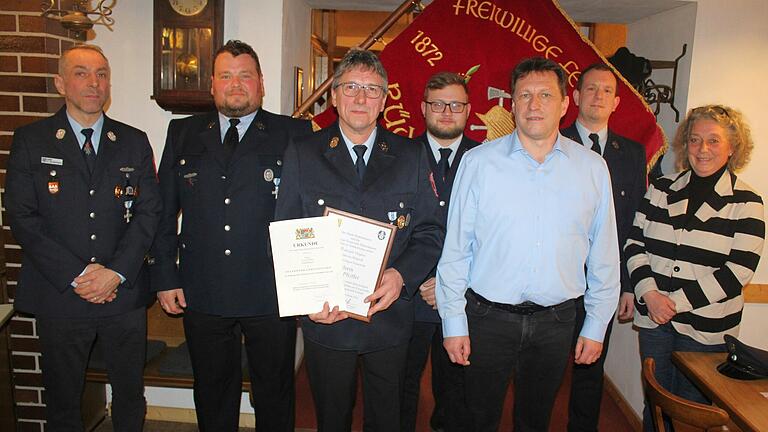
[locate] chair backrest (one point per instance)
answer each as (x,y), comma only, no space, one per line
(684,414)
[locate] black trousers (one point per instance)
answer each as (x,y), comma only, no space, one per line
(66,343)
(215,345)
(533,350)
(333,381)
(586,382)
(450,413)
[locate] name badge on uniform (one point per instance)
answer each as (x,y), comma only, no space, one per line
(51,161)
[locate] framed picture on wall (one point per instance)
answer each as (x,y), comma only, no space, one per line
(298,87)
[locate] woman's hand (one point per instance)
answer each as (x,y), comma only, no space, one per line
(661,308)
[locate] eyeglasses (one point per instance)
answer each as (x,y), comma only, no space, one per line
(351,89)
(717,109)
(439,106)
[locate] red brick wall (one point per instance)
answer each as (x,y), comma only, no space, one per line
(29,49)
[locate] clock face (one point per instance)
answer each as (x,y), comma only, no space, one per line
(188,7)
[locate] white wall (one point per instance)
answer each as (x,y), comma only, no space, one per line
(129,49)
(645,39)
(297,29)
(725,64)
(661,37)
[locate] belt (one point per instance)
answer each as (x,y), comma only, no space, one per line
(525,308)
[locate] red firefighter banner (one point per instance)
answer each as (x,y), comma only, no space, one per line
(485,39)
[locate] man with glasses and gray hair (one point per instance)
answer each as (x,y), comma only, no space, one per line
(446,110)
(356,166)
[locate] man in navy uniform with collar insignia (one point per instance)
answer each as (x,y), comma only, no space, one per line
(222,171)
(596,97)
(446,110)
(82,201)
(359,167)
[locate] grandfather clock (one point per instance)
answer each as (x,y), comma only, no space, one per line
(186,35)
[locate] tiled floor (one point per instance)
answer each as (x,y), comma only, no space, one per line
(611,419)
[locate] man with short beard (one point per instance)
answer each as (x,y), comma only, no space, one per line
(446,110)
(221,171)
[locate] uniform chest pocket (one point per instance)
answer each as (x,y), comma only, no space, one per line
(396,208)
(315,202)
(268,174)
(57,186)
(188,173)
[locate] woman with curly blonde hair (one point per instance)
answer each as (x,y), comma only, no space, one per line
(695,244)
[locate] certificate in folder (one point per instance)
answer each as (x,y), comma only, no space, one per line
(338,258)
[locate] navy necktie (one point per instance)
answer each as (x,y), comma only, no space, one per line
(89,152)
(360,163)
(595,143)
(442,165)
(231,138)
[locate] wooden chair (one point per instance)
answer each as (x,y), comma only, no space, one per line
(685,415)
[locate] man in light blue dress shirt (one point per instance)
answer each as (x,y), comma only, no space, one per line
(530,225)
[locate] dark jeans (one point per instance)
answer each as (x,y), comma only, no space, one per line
(586,382)
(450,413)
(215,347)
(659,343)
(533,350)
(66,344)
(333,382)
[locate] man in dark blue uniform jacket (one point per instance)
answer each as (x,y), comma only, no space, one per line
(358,167)
(221,171)
(83,203)
(446,110)
(595,95)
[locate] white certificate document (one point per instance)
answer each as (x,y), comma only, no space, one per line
(307,259)
(364,251)
(338,258)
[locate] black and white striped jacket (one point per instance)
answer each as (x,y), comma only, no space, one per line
(702,263)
